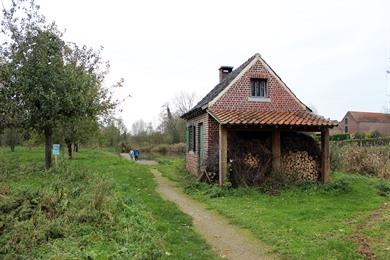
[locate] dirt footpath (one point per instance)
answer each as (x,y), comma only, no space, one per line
(143,162)
(228,241)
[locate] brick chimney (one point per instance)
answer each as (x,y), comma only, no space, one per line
(224,71)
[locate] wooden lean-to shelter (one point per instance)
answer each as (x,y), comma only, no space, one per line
(251,106)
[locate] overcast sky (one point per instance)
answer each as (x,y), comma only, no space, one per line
(332,54)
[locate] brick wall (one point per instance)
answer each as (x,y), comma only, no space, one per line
(211,139)
(364,127)
(369,127)
(336,130)
(192,157)
(237,96)
(213,145)
(353,126)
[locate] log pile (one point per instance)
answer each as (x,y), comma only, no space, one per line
(300,166)
(207,176)
(250,158)
(300,142)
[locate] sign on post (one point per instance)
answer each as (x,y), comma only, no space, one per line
(56,151)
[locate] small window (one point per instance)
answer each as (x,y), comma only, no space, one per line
(259,88)
(346,129)
(191,138)
(346,120)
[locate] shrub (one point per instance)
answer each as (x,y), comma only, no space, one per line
(161,148)
(275,183)
(369,161)
(145,149)
(366,160)
(176,148)
(335,157)
(384,171)
(340,185)
(123,147)
(362,135)
(339,137)
(170,149)
(384,189)
(101,195)
(32,216)
(217,192)
(191,184)
(376,134)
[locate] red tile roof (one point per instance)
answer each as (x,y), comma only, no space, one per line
(270,118)
(370,117)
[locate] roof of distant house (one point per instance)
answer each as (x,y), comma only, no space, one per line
(370,117)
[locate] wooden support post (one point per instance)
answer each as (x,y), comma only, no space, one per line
(276,151)
(223,167)
(325,156)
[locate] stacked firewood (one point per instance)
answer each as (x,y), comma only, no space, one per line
(300,166)
(207,176)
(251,160)
(300,142)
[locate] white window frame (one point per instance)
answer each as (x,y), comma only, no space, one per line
(259,90)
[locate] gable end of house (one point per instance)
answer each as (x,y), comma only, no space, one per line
(232,79)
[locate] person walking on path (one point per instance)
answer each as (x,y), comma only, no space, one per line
(131,154)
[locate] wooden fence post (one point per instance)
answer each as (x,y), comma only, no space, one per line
(325,155)
(223,167)
(276,151)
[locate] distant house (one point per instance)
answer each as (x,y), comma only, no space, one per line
(250,102)
(365,122)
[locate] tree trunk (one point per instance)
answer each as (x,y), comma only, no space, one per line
(76,147)
(12,139)
(69,145)
(48,145)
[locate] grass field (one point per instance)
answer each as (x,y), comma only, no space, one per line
(347,219)
(95,206)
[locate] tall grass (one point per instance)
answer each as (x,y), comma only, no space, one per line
(71,204)
(370,161)
(95,206)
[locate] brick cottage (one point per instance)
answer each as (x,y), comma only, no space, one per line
(250,102)
(365,122)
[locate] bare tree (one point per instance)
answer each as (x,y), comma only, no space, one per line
(139,127)
(183,102)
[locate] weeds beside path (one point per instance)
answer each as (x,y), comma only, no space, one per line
(96,206)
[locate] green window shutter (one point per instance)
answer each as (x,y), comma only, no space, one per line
(201,142)
(186,138)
